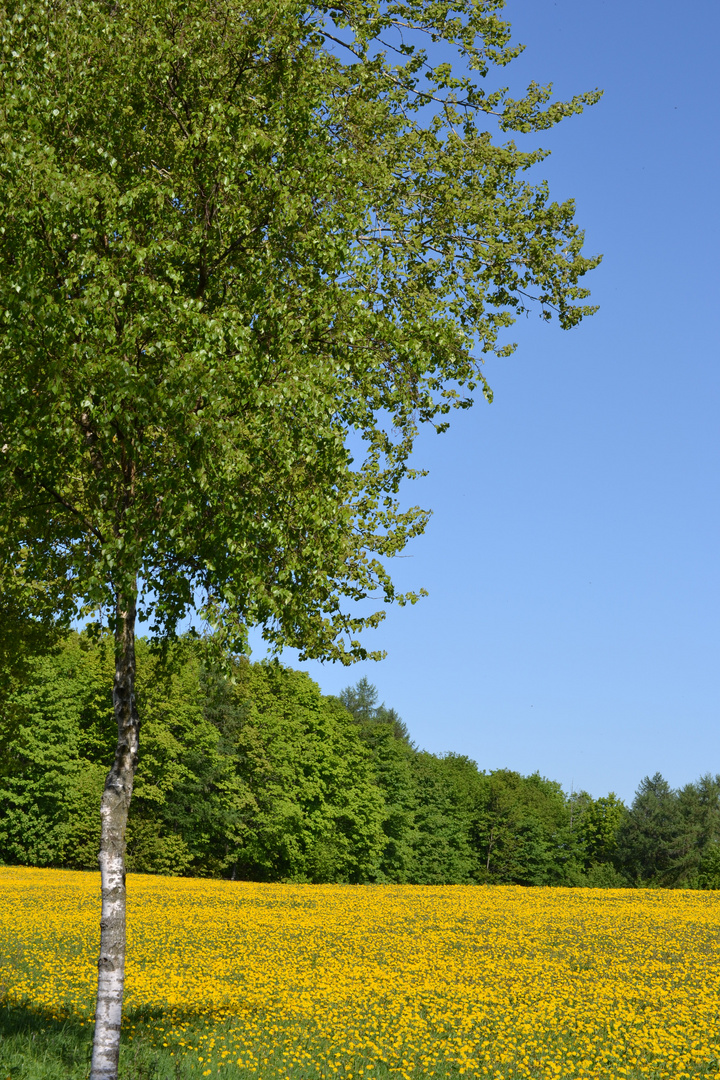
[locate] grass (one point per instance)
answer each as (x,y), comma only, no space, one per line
(38,1046)
(35,1046)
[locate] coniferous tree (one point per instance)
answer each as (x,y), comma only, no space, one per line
(700,810)
(654,842)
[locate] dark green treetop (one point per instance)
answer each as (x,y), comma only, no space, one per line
(654,840)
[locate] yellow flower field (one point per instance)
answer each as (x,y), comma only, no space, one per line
(411,981)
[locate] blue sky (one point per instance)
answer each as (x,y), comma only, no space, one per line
(573,619)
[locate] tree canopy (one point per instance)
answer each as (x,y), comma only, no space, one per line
(231,236)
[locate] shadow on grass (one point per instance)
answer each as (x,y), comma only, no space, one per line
(35,1045)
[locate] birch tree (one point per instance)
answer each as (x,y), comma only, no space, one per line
(235,240)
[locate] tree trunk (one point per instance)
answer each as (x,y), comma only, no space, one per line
(114,814)
(490,847)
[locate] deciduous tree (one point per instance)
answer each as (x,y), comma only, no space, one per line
(599,821)
(231,237)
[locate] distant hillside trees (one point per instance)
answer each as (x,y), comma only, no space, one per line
(252,773)
(256,775)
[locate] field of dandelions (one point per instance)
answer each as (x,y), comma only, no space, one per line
(303,982)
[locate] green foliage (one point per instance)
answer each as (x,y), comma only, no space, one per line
(255,774)
(523,832)
(699,804)
(598,827)
(53,728)
(665,839)
(655,840)
(361,702)
(250,772)
(392,763)
(232,236)
(442,851)
(603,876)
(187,797)
(708,871)
(318,812)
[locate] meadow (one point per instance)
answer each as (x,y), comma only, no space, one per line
(303,982)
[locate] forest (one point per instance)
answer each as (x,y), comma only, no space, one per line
(249,772)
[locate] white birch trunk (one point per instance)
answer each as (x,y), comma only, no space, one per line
(114,814)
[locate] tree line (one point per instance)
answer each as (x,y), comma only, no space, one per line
(249,772)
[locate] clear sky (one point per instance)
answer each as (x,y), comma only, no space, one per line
(573,621)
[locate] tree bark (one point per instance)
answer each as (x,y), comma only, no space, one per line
(114,814)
